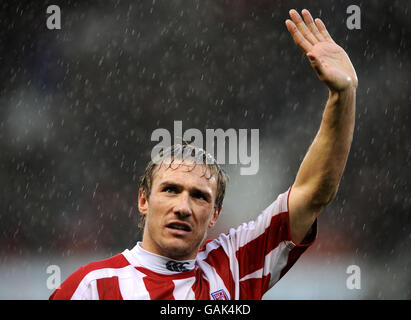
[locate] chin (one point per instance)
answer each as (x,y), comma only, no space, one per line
(180,250)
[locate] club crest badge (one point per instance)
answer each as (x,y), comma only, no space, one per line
(219,295)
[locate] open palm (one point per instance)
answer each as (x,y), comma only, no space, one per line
(329,60)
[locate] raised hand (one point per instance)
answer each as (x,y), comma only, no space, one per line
(329,60)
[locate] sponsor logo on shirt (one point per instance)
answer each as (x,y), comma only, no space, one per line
(176,266)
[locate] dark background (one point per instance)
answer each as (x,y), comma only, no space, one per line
(78,106)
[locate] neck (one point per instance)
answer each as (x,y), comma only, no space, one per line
(159,263)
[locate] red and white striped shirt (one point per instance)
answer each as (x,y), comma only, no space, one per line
(242,264)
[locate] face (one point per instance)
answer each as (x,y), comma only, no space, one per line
(179,210)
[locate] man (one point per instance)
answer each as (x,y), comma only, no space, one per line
(181,197)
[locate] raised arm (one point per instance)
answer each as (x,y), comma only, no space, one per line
(319,175)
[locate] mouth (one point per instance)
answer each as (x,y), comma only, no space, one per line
(179,228)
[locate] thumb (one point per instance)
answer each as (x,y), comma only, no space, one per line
(316,63)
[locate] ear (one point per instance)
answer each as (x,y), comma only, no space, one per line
(214,217)
(142,202)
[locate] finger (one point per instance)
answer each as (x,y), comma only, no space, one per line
(298,21)
(298,38)
(323,30)
(308,19)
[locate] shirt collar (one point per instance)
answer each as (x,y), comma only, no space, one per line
(160,264)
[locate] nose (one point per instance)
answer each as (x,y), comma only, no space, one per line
(183,208)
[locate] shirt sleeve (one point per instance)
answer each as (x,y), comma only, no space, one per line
(262,251)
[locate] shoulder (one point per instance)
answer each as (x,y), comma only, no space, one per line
(111,264)
(115,262)
(79,280)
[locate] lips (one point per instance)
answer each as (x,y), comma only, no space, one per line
(179,226)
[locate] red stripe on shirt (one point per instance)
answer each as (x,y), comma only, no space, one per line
(201,286)
(109,289)
(159,289)
(69,286)
(161,286)
(251,256)
(254,288)
(219,260)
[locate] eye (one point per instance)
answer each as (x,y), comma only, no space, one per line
(200,195)
(170,189)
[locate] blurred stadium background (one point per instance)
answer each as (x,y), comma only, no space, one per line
(78,106)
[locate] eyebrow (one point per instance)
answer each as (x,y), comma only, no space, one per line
(192,190)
